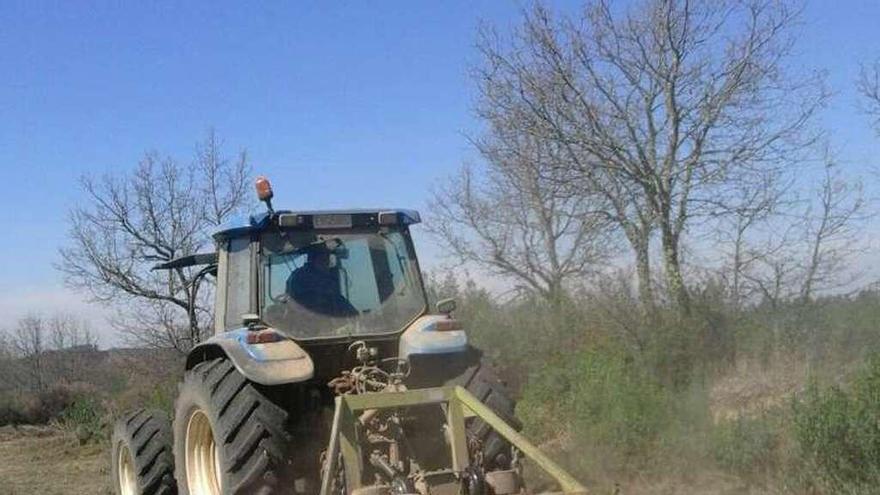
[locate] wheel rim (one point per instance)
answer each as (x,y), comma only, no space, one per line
(202,459)
(125,477)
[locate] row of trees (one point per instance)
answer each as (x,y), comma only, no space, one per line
(42,351)
(671,135)
(665,130)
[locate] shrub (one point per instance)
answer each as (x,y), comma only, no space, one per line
(156,391)
(747,446)
(11,412)
(600,398)
(838,432)
(85,419)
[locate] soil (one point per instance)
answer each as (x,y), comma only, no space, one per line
(50,462)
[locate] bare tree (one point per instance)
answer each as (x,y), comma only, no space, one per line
(8,368)
(71,349)
(800,254)
(744,232)
(67,331)
(868,85)
(516,218)
(831,232)
(161,211)
(5,346)
(659,107)
(773,267)
(29,343)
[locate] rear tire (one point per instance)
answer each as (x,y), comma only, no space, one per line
(230,434)
(480,379)
(142,463)
(472,371)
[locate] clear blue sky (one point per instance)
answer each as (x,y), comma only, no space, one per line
(340,103)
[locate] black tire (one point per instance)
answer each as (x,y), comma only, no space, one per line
(248,425)
(145,437)
(477,375)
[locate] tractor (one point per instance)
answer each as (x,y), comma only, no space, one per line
(327,373)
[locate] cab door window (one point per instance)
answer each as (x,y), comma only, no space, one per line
(238,282)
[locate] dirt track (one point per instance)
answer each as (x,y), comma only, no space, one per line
(44,461)
(40,460)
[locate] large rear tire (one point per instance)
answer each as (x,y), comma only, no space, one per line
(472,371)
(230,434)
(141,462)
(480,379)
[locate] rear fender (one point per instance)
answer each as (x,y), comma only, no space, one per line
(422,337)
(273,363)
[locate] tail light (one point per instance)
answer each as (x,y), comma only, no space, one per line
(448,325)
(263,337)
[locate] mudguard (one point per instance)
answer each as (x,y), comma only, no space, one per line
(422,337)
(272,363)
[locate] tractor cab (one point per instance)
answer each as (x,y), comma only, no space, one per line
(293,287)
(320,275)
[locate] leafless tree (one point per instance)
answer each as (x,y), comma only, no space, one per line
(515,217)
(800,254)
(773,267)
(29,342)
(130,222)
(745,235)
(67,331)
(72,347)
(7,363)
(5,346)
(659,106)
(832,232)
(868,85)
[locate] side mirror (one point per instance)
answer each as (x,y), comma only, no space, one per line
(446,306)
(250,319)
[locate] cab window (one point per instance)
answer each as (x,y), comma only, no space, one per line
(238,282)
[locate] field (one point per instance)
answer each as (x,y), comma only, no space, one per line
(49,462)
(754,401)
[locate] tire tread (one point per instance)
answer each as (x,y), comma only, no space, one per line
(147,434)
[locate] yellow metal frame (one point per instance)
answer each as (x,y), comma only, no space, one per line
(344,437)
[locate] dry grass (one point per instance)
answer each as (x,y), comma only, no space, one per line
(46,461)
(752,387)
(700,482)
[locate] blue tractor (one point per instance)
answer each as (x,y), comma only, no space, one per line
(312,306)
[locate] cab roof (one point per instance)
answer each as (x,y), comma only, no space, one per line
(316,219)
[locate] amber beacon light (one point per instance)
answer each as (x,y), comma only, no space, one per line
(264,188)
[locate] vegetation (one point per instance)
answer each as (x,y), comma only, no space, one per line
(838,432)
(55,374)
(774,399)
(681,134)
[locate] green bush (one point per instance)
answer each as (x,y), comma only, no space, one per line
(747,446)
(12,412)
(838,432)
(36,408)
(599,398)
(85,419)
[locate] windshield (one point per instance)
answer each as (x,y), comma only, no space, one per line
(339,284)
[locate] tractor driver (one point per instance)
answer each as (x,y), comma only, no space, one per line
(315,286)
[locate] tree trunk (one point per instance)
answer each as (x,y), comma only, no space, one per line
(641,247)
(556,294)
(672,265)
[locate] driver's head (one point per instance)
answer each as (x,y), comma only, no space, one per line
(319,258)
